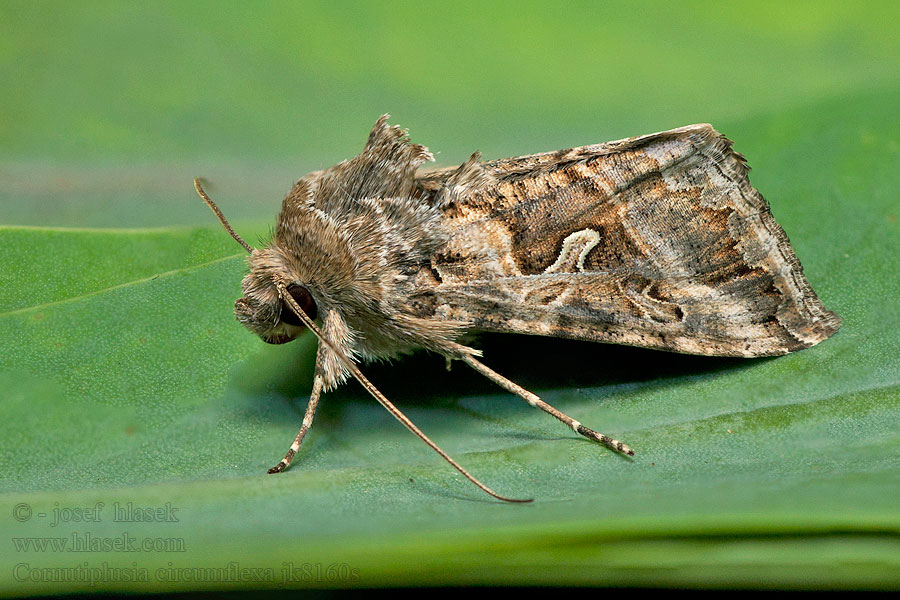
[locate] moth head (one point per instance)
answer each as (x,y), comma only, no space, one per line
(261,308)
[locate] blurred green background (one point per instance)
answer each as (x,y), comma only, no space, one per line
(125,378)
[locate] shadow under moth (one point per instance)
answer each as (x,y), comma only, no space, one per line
(656,241)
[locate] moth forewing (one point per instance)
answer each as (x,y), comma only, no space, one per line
(657,241)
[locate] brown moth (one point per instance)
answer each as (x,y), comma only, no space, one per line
(657,241)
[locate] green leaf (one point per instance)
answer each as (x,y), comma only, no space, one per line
(127,382)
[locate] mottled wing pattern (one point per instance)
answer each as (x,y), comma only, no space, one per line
(657,241)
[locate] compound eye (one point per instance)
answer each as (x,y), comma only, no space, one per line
(303,298)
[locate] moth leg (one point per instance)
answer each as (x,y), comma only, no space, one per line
(307,423)
(318,384)
(536,402)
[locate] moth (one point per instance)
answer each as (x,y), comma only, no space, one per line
(656,241)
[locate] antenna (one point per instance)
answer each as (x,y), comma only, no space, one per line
(219,214)
(348,364)
(369,387)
